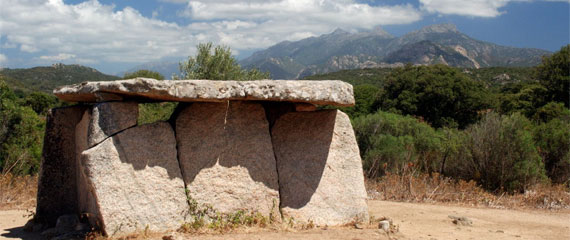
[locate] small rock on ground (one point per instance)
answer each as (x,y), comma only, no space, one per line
(461,220)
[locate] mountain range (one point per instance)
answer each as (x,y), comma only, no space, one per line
(340,50)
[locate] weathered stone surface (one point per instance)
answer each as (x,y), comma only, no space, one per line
(226,156)
(305,107)
(57,188)
(108,118)
(320,171)
(326,92)
(136,180)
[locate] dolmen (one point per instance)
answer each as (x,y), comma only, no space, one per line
(253,146)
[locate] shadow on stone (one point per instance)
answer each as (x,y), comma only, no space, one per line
(320,171)
(57,188)
(149,145)
(301,142)
(226,156)
(136,180)
(229,134)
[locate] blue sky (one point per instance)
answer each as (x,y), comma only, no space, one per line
(113,36)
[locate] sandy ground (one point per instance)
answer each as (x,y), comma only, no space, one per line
(415,221)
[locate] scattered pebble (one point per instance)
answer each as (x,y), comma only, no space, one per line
(359,226)
(460,220)
(384,225)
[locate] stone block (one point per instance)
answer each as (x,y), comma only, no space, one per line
(57,187)
(320,171)
(136,181)
(226,156)
(108,118)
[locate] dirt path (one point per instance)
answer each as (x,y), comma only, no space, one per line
(415,221)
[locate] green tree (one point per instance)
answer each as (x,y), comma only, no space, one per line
(144,73)
(522,97)
(41,102)
(152,112)
(366,98)
(217,64)
(551,111)
(554,74)
(21,135)
(441,95)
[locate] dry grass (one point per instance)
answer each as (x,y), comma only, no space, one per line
(18,192)
(439,189)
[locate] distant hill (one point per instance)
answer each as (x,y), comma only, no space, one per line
(339,50)
(491,76)
(47,78)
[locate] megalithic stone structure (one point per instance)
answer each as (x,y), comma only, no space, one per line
(253,146)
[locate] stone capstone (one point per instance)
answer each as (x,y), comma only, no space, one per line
(136,180)
(320,171)
(326,92)
(227,158)
(108,118)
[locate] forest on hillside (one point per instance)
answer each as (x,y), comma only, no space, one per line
(505,128)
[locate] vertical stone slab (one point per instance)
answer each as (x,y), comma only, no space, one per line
(57,187)
(226,156)
(136,180)
(86,199)
(109,118)
(320,170)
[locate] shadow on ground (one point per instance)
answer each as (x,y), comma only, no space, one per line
(19,233)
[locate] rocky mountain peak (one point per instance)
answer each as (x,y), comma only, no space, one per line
(439,28)
(339,31)
(378,30)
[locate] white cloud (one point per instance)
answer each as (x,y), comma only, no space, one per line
(95,32)
(59,57)
(91,31)
(250,24)
(332,13)
(473,8)
(3,58)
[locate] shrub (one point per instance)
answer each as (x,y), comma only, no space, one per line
(502,154)
(553,142)
(389,142)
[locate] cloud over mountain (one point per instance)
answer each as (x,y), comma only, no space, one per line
(93,31)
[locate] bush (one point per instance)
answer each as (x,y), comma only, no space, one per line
(144,73)
(389,143)
(553,142)
(502,154)
(153,112)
